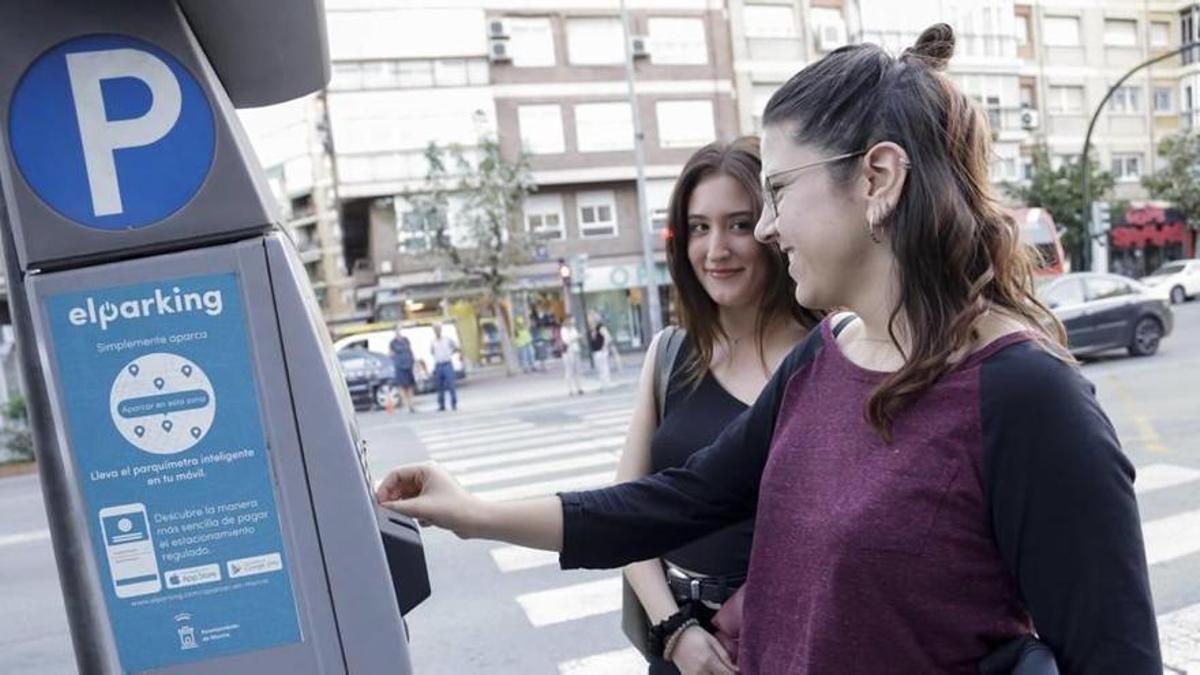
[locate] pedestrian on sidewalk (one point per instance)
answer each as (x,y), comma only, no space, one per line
(600,339)
(523,341)
(929,484)
(571,352)
(738,321)
(443,350)
(403,362)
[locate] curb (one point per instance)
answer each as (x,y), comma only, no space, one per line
(23,468)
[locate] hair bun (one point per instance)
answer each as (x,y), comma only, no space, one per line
(935,46)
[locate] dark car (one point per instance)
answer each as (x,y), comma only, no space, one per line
(368,377)
(1108,311)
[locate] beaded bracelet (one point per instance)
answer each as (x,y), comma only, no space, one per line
(674,639)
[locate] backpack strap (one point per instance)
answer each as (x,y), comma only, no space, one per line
(670,340)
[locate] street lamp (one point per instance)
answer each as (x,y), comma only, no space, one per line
(565,273)
(1085,169)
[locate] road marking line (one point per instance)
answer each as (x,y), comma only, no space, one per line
(599,443)
(545,488)
(587,461)
(1177,633)
(521,441)
(1149,435)
(1161,476)
(518,558)
(621,662)
(434,437)
(569,603)
(1172,537)
(24,537)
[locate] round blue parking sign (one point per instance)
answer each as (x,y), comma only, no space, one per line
(111,132)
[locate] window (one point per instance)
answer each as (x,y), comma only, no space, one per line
(685,124)
(1187,35)
(1069,291)
(1022,30)
(1160,34)
(597,214)
(1061,31)
(544,216)
(1028,96)
(1104,288)
(1162,99)
(1120,32)
(541,129)
(1065,100)
(450,72)
(530,42)
(413,73)
(677,41)
(770,21)
(1125,100)
(601,127)
(598,41)
(995,113)
(1127,167)
(658,200)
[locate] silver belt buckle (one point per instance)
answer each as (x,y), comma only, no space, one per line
(694,588)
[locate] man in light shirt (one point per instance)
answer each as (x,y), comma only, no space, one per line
(443,350)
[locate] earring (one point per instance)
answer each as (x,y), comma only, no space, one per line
(871,229)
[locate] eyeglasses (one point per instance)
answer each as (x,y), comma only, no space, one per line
(770,190)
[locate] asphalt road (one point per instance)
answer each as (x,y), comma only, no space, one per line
(501,609)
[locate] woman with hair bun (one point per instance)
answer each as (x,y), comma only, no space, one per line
(933,483)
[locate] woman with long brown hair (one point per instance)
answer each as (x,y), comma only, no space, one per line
(935,482)
(738,321)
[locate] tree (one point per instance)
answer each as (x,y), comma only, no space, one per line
(478,242)
(1179,181)
(1059,192)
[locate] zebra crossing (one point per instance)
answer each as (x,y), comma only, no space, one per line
(576,445)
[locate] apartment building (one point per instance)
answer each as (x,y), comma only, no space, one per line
(561,94)
(1072,53)
(547,78)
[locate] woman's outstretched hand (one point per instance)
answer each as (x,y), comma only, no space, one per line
(428,493)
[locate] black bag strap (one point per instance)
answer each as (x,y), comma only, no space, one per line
(842,323)
(670,341)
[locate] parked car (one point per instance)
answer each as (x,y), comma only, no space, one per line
(1107,311)
(421,338)
(368,377)
(1179,279)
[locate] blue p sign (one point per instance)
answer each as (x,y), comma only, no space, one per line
(111,132)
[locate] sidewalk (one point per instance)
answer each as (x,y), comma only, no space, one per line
(489,388)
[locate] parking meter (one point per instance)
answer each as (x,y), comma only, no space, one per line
(207,497)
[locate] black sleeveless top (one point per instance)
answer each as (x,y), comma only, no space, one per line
(692,420)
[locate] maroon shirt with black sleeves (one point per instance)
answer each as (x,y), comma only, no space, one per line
(1003,505)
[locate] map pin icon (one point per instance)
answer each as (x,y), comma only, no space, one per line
(186,370)
(167,425)
(159,382)
(139,431)
(195,432)
(133,369)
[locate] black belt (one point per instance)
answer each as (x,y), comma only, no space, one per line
(715,590)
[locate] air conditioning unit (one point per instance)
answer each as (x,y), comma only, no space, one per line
(1029,118)
(830,36)
(640,46)
(497,30)
(498,51)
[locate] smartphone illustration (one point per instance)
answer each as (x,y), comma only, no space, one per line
(131,559)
